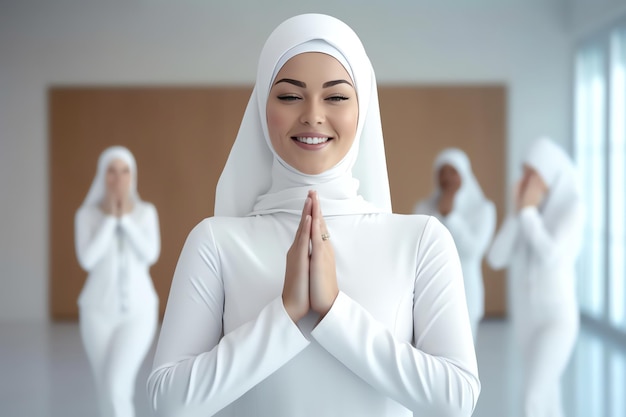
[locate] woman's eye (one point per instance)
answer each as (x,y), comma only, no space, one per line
(337,98)
(288,98)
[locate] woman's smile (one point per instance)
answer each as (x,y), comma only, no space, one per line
(311,141)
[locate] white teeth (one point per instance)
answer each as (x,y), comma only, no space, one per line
(312,141)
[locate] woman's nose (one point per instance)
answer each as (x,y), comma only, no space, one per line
(312,114)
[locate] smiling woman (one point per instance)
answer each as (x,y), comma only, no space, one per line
(305,295)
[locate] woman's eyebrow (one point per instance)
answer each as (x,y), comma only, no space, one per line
(335,82)
(303,85)
(290,81)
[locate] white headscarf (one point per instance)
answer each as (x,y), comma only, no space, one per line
(255,180)
(558,172)
(469,197)
(97,191)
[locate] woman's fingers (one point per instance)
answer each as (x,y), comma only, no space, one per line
(532,193)
(323,287)
(306,210)
(304,232)
(538,183)
(316,210)
(310,277)
(127,205)
(110,204)
(535,191)
(296,285)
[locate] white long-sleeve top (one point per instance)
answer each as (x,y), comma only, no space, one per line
(472,235)
(543,255)
(117,253)
(397,339)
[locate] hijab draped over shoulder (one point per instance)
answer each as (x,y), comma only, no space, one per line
(255,180)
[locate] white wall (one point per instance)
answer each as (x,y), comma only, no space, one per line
(584,17)
(523,44)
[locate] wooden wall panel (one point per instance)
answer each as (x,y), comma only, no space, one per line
(181,137)
(419,122)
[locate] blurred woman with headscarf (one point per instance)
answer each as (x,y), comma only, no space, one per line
(117,240)
(459,203)
(540,242)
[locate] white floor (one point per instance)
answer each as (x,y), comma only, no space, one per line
(44,372)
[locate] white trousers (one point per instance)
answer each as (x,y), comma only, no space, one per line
(547,345)
(116,345)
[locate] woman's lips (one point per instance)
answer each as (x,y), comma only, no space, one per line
(311,142)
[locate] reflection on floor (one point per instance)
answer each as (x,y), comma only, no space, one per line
(594,383)
(44,372)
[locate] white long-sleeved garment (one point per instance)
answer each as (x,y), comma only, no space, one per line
(397,339)
(541,245)
(471,222)
(117,253)
(471,237)
(116,345)
(118,304)
(544,308)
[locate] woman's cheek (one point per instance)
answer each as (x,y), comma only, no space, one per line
(276,123)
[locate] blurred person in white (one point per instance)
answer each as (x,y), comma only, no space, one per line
(305,295)
(117,240)
(540,242)
(459,203)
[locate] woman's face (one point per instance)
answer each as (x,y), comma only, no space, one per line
(312,112)
(118,178)
(449,178)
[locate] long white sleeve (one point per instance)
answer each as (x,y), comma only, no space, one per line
(549,246)
(143,233)
(94,233)
(503,245)
(197,372)
(436,376)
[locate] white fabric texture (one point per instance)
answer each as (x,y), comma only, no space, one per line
(268,184)
(397,339)
(471,222)
(116,252)
(118,303)
(116,345)
(541,245)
